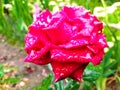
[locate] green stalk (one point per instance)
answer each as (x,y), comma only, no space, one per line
(44,4)
(106,20)
(101,83)
(105,7)
(1,8)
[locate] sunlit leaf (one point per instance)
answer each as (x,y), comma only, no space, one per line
(1,71)
(72,85)
(11,80)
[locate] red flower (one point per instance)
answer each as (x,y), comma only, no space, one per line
(68,40)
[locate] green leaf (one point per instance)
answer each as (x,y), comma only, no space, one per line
(68,85)
(75,86)
(1,71)
(50,88)
(108,56)
(108,73)
(92,72)
(91,75)
(45,85)
(109,66)
(72,85)
(12,80)
(87,86)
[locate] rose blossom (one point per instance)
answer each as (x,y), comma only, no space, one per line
(68,40)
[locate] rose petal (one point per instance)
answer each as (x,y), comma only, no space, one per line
(43,19)
(98,57)
(40,56)
(87,29)
(78,73)
(97,24)
(75,43)
(45,59)
(60,34)
(30,41)
(98,43)
(94,48)
(73,13)
(60,31)
(65,55)
(63,70)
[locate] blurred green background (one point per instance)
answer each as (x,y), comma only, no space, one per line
(17,15)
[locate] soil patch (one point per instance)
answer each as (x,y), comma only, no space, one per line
(13,56)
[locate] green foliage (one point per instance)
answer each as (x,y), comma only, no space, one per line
(14,20)
(12,80)
(61,85)
(92,73)
(45,4)
(7,79)
(1,71)
(72,85)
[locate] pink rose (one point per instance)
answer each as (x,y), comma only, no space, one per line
(68,40)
